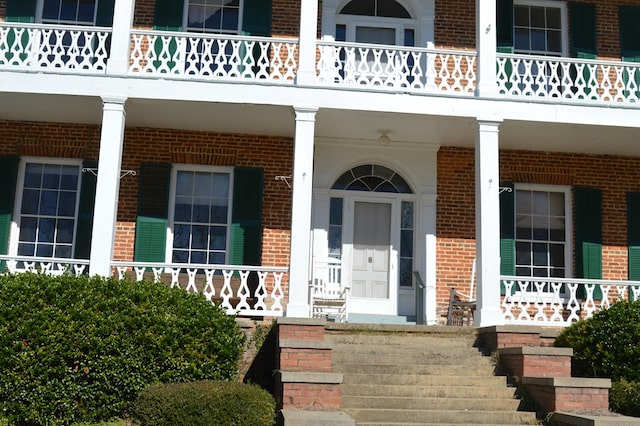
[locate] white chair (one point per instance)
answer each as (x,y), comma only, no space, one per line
(462,306)
(328,295)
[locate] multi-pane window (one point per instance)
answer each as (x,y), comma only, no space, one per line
(542,232)
(335,228)
(201,217)
(406,243)
(216,16)
(48,207)
(538,28)
(69,11)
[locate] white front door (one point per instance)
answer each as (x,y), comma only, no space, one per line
(373,263)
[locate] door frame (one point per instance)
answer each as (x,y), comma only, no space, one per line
(367,305)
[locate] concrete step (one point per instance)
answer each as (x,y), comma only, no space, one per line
(426,391)
(427,350)
(404,340)
(422,380)
(440,416)
(346,357)
(437,424)
(411,403)
(482,369)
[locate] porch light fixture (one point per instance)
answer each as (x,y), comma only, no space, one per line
(384,138)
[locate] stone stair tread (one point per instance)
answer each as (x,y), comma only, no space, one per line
(438,416)
(422,379)
(408,402)
(426,391)
(431,370)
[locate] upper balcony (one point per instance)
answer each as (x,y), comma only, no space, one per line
(42,48)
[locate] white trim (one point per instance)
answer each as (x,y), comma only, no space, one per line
(175,168)
(14,235)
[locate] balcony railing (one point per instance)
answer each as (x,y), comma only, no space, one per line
(568,79)
(395,67)
(209,56)
(560,301)
(240,290)
(38,47)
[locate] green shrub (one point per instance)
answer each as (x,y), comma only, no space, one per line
(79,349)
(204,403)
(624,397)
(607,344)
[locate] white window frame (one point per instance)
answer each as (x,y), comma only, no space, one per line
(175,169)
(40,10)
(564,23)
(568,249)
(16,222)
(185,21)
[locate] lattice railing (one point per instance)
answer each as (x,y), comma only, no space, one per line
(568,78)
(241,290)
(45,265)
(213,56)
(37,47)
(396,67)
(560,301)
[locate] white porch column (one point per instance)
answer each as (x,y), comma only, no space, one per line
(299,259)
(108,185)
(118,63)
(487,225)
(308,36)
(486,84)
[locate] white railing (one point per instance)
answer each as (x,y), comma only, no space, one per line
(212,56)
(560,301)
(240,290)
(396,67)
(45,265)
(568,79)
(37,47)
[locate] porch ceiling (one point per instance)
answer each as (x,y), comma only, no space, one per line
(331,124)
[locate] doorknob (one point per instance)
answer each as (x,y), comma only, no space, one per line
(370,259)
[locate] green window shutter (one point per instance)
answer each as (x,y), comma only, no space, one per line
(583,30)
(168,15)
(256,17)
(246,222)
(629,16)
(104,15)
(152,220)
(633,237)
(504,25)
(588,235)
(8,179)
(507,234)
(84,226)
(21,11)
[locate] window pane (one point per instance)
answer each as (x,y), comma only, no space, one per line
(556,201)
(540,254)
(406,243)
(51,177)
(182,212)
(198,257)
(33,176)
(335,241)
(406,271)
(556,254)
(219,214)
(65,231)
(181,236)
(67,204)
(538,40)
(69,178)
(553,18)
(521,16)
(30,201)
(537,17)
(335,211)
(202,185)
(554,41)
(201,210)
(523,227)
(540,228)
(216,258)
(521,40)
(28,227)
(68,10)
(199,237)
(540,202)
(180,256)
(44,250)
(63,252)
(220,185)
(46,227)
(406,220)
(523,253)
(523,202)
(50,9)
(218,238)
(184,184)
(48,203)
(86,10)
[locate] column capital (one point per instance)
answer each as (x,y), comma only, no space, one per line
(305,113)
(113,100)
(488,125)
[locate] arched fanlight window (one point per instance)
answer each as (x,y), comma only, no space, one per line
(383,8)
(372,178)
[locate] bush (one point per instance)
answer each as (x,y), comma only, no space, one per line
(79,349)
(624,397)
(204,403)
(607,344)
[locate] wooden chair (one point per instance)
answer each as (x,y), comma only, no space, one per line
(461,306)
(328,295)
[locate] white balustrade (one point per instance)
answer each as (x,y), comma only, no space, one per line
(396,67)
(568,78)
(240,290)
(46,265)
(38,47)
(560,301)
(212,56)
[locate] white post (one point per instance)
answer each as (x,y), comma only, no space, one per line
(486,83)
(298,304)
(108,185)
(120,37)
(488,311)
(308,34)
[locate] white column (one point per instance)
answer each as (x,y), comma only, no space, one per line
(299,259)
(486,84)
(488,225)
(308,34)
(108,185)
(118,63)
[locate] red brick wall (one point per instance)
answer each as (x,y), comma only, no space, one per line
(274,154)
(455,221)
